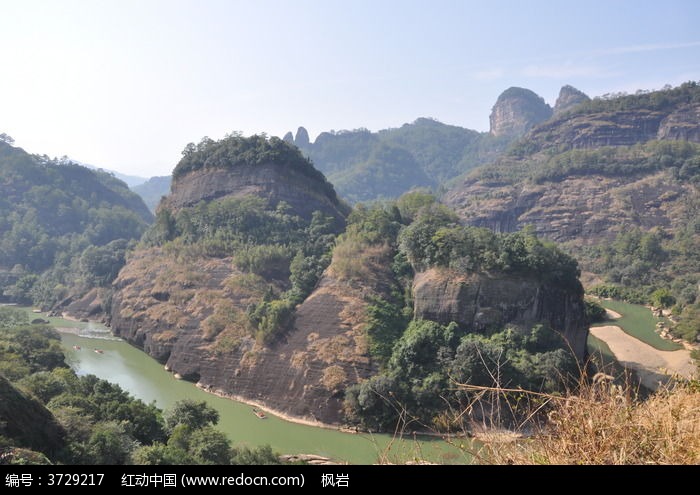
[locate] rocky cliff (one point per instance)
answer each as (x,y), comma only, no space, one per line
(569,97)
(615,181)
(171,310)
(270,181)
(203,297)
(605,170)
(593,130)
(480,302)
(213,297)
(516,111)
(681,124)
(621,121)
(589,208)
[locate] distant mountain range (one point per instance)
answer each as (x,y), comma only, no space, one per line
(130,180)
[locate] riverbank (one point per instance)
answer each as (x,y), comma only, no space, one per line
(639,322)
(653,366)
(281,415)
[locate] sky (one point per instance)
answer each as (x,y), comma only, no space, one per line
(126,84)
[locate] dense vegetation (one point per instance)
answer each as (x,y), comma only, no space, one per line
(56,220)
(386,170)
(686,93)
(680,157)
(421,360)
(419,383)
(96,422)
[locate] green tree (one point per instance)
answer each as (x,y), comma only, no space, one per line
(110,444)
(209,446)
(191,414)
(662,298)
(594,311)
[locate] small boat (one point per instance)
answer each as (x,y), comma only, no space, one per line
(99,351)
(259,414)
(76,347)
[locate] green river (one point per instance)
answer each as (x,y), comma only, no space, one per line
(146,379)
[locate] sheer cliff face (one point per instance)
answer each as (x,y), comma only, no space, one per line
(168,308)
(516,111)
(196,313)
(589,209)
(481,302)
(682,124)
(587,205)
(190,311)
(272,182)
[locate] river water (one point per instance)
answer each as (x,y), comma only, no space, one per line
(146,379)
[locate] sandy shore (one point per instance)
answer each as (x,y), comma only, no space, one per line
(612,315)
(652,365)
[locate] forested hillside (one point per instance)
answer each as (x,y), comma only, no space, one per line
(65,228)
(365,166)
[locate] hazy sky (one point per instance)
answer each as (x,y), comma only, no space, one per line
(127,84)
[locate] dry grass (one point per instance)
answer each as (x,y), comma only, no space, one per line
(604,424)
(355,261)
(332,349)
(299,360)
(333,377)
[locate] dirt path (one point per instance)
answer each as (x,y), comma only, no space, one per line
(652,365)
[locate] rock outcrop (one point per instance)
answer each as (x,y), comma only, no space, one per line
(568,98)
(589,209)
(591,195)
(516,111)
(597,129)
(273,182)
(682,124)
(192,312)
(302,138)
(480,302)
(167,308)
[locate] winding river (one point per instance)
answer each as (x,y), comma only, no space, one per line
(146,379)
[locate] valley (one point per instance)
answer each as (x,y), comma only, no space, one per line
(416,280)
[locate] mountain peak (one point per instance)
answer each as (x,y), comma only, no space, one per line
(269,168)
(516,111)
(302,137)
(569,97)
